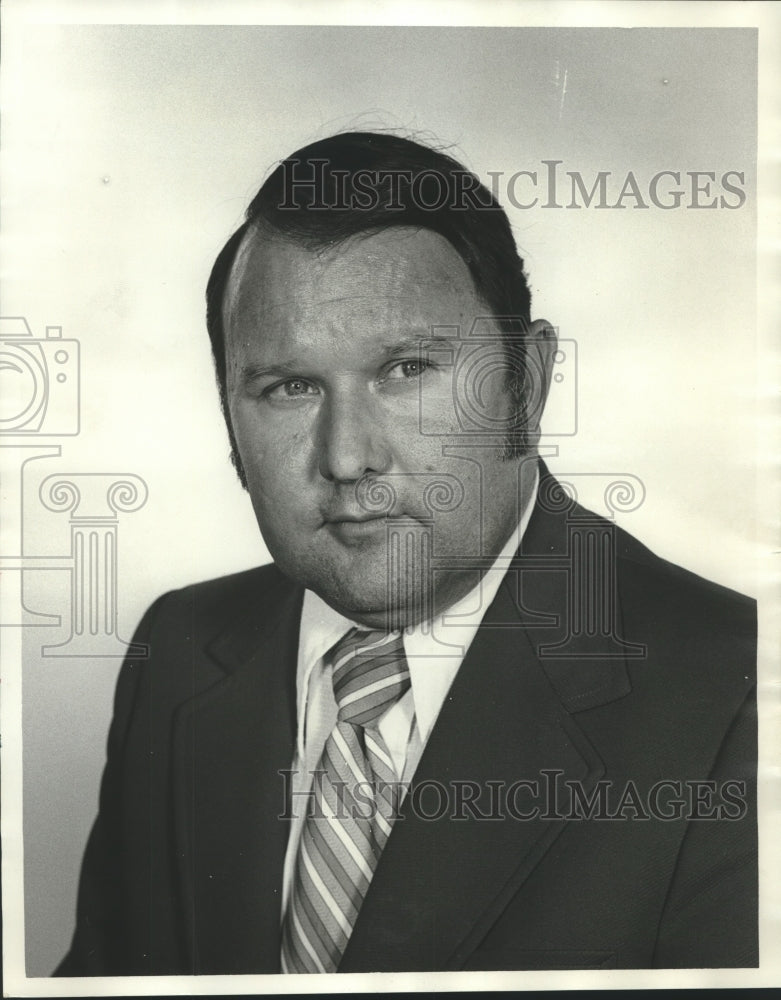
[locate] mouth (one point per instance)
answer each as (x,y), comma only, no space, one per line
(355,528)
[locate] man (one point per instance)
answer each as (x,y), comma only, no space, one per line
(461,722)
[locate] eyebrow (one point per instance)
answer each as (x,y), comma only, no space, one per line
(253,371)
(415,344)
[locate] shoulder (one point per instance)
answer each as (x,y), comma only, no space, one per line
(699,638)
(684,632)
(203,627)
(191,637)
(646,582)
(677,595)
(257,580)
(211,604)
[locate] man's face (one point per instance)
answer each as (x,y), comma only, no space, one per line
(330,395)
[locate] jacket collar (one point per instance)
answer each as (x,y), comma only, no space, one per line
(565,586)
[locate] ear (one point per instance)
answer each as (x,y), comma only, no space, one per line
(541,346)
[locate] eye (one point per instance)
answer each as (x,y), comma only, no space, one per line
(292,388)
(409,369)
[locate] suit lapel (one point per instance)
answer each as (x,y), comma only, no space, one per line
(230,744)
(564,585)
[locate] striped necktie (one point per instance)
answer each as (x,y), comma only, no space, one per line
(353,805)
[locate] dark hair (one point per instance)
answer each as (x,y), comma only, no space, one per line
(364,182)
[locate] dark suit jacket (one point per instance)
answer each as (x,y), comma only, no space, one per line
(183,869)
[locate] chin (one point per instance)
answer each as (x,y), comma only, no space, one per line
(359,592)
(369,606)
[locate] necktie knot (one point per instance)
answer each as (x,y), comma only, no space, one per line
(370,673)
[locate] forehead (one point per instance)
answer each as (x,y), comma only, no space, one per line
(392,275)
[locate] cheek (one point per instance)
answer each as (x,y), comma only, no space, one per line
(435,413)
(265,443)
(285,509)
(277,479)
(276,462)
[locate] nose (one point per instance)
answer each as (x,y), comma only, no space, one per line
(352,440)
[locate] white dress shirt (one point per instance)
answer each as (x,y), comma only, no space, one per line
(435,650)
